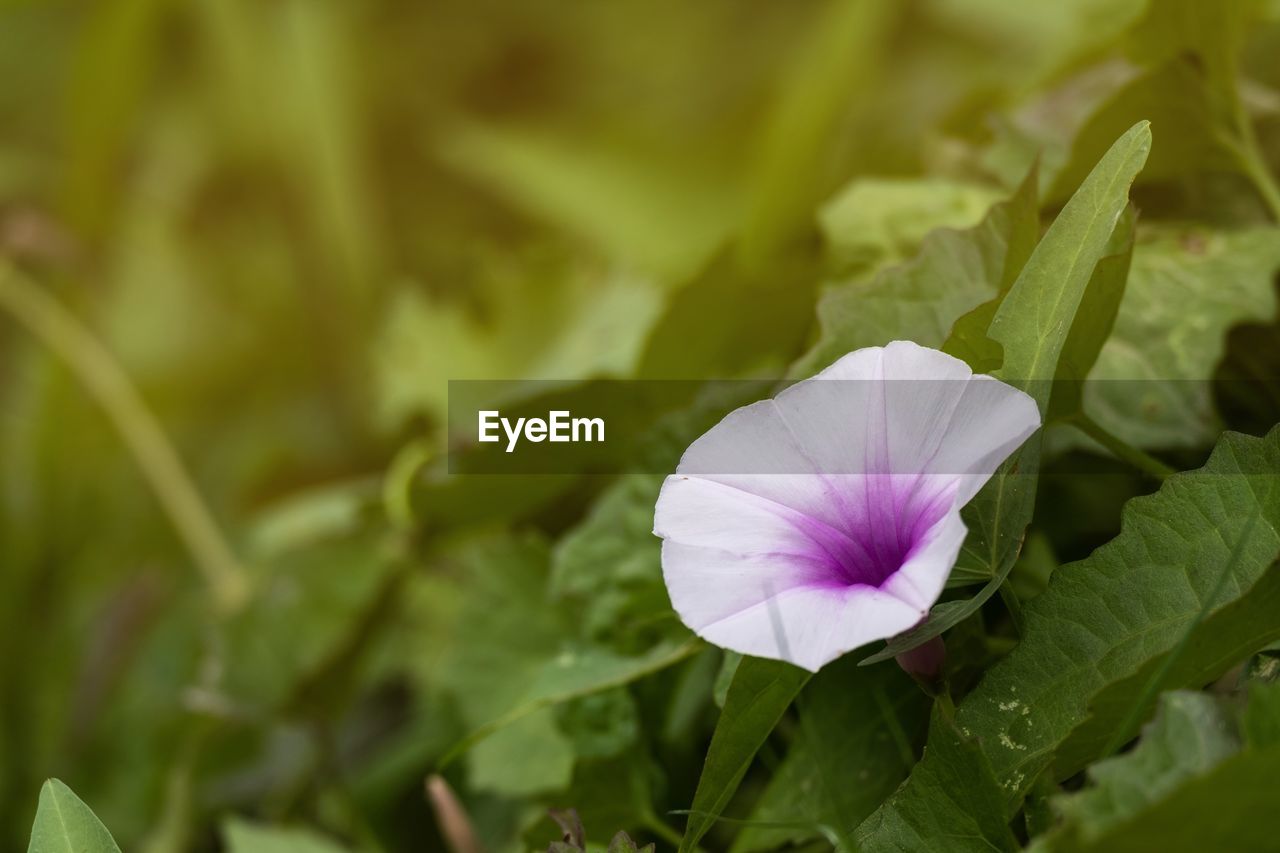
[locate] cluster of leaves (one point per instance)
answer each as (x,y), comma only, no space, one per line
(290,224)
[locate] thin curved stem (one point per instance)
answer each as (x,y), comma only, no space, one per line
(1139,459)
(105,381)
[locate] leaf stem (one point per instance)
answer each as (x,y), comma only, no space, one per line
(105,381)
(1124,451)
(1248,154)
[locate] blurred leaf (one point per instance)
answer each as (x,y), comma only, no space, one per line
(873,222)
(1189,784)
(608,796)
(124,37)
(857,738)
(961,805)
(609,566)
(1172,98)
(1102,619)
(1190,734)
(244,837)
(790,172)
(667,224)
(1189,94)
(953,273)
(64,824)
(1034,319)
(1260,723)
(1187,287)
(1219,810)
(622,843)
(529,756)
(968,340)
(1041,40)
(443,502)
(574,674)
(728,323)
(759,695)
(577,324)
(307,605)
(600,725)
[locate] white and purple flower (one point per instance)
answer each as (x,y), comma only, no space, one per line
(802,527)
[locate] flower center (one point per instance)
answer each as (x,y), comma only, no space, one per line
(883,524)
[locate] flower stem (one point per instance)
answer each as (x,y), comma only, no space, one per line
(104,380)
(1139,459)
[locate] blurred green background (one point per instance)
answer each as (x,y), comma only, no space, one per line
(290,222)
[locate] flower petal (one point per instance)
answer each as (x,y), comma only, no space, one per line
(737,604)
(924,573)
(804,526)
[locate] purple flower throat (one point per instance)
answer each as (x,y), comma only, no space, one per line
(878,523)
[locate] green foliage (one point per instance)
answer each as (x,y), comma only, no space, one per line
(961,803)
(1102,619)
(856,725)
(1199,760)
(1035,319)
(271,234)
(243,837)
(1045,296)
(953,272)
(64,824)
(758,696)
(1187,287)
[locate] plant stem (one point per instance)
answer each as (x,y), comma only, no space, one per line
(1249,156)
(1255,168)
(104,379)
(1139,459)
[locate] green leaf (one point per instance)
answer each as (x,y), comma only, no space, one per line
(635,207)
(1188,91)
(576,323)
(1224,809)
(64,824)
(242,836)
(1187,287)
(574,674)
(528,756)
(1101,620)
(307,613)
(920,300)
(954,802)
(1238,629)
(1035,318)
(873,222)
(609,566)
(761,692)
(1198,765)
(788,175)
(1191,733)
(968,339)
(858,735)
(1094,321)
(622,843)
(1104,618)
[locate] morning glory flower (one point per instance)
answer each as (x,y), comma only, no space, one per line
(802,527)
